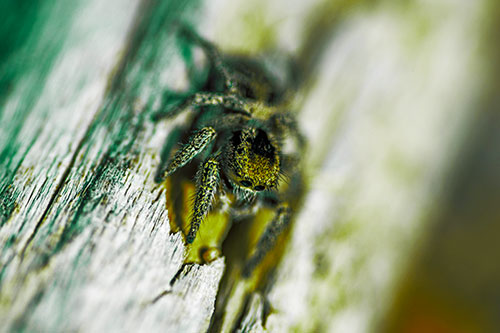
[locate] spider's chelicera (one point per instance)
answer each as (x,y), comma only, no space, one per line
(239,132)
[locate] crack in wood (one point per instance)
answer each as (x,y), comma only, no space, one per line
(54,196)
(160,295)
(185,267)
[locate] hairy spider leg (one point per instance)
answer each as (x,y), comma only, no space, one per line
(197,142)
(214,56)
(206,187)
(171,140)
(201,99)
(229,101)
(170,101)
(268,238)
(285,123)
(229,122)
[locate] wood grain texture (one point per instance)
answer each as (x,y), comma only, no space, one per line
(85,239)
(87,245)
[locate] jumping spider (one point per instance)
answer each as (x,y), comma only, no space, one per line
(247,142)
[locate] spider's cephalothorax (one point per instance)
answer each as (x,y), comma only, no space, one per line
(253,160)
(238,133)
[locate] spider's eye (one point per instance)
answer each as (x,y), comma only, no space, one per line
(246,183)
(259,188)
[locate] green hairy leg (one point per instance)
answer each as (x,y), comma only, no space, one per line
(208,180)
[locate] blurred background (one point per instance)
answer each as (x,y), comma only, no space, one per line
(400,229)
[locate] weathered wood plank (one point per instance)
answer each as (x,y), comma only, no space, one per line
(85,238)
(53,97)
(75,236)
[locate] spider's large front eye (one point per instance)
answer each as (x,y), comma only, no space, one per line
(246,183)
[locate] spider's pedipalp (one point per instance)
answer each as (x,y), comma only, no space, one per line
(206,187)
(195,145)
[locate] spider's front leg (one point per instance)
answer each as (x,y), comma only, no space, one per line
(286,124)
(229,101)
(206,188)
(214,56)
(197,142)
(169,144)
(268,239)
(200,99)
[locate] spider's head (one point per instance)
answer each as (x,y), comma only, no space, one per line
(254,160)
